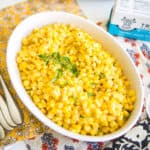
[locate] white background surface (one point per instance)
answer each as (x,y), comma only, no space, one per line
(6,3)
(96,10)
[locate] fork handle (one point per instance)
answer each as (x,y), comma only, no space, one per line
(4,123)
(5,111)
(13,109)
(2,132)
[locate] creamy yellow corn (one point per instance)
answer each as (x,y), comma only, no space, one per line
(74,81)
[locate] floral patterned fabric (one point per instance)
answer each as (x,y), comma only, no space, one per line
(39,136)
(138,138)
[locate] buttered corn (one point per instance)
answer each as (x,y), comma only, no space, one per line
(74,81)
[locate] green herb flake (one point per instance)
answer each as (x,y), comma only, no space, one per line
(81,116)
(65,62)
(74,70)
(56,56)
(59,73)
(101,75)
(90,94)
(46,58)
(114,64)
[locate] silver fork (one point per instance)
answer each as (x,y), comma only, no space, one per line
(13,109)
(2,132)
(5,112)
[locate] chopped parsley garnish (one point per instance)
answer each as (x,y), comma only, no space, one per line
(63,61)
(46,58)
(59,73)
(101,75)
(56,57)
(74,70)
(90,94)
(82,116)
(66,60)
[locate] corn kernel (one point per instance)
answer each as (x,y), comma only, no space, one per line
(95,102)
